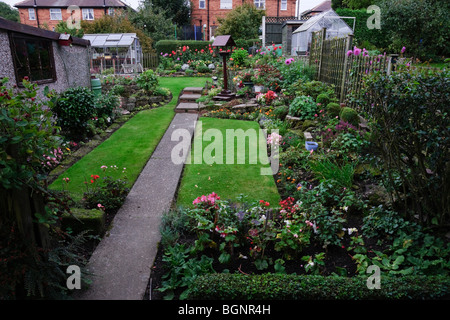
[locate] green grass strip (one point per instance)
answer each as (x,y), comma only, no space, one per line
(130,146)
(227,180)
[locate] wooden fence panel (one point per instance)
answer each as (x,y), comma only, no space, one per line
(150,61)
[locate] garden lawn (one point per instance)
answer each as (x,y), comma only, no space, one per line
(229,181)
(129,147)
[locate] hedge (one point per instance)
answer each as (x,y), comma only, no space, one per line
(222,286)
(364,35)
(167,46)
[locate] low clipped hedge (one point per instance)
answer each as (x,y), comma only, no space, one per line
(268,286)
(167,46)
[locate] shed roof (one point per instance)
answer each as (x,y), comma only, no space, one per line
(111,39)
(323,19)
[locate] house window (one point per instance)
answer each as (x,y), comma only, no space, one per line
(226,4)
(33,58)
(202,4)
(110,12)
(260,4)
(55,14)
(88,14)
(31,14)
(283,4)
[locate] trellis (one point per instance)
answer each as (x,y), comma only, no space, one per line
(336,67)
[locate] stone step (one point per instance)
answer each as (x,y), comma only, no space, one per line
(193,90)
(186,97)
(187,107)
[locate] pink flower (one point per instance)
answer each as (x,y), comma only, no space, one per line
(356,51)
(403,50)
(349,53)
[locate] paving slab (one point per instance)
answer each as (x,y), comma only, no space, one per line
(121,262)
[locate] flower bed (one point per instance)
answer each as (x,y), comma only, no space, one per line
(337,216)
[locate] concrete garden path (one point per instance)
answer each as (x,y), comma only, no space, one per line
(122,261)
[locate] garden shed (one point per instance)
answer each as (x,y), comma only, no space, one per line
(335,25)
(120,51)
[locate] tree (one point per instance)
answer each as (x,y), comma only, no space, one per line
(153,22)
(243,22)
(117,24)
(9,13)
(177,10)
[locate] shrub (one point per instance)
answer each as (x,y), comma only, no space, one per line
(73,109)
(410,109)
(281,112)
(286,287)
(203,69)
(313,89)
(303,107)
(333,109)
(148,80)
(239,57)
(106,103)
(108,194)
(349,115)
(323,98)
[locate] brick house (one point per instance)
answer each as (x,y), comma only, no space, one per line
(48,13)
(204,13)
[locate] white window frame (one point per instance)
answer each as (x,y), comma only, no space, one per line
(284,4)
(202,4)
(111,11)
(31,14)
(260,4)
(55,14)
(226,4)
(87,13)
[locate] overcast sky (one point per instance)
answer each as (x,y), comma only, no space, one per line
(304,4)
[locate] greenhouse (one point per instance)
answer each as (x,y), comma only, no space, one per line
(120,52)
(335,25)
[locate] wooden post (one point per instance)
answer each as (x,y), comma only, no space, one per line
(344,72)
(322,39)
(392,60)
(225,72)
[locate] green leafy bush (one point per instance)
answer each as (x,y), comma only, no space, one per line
(304,107)
(73,109)
(239,57)
(203,69)
(148,80)
(106,104)
(183,270)
(314,89)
